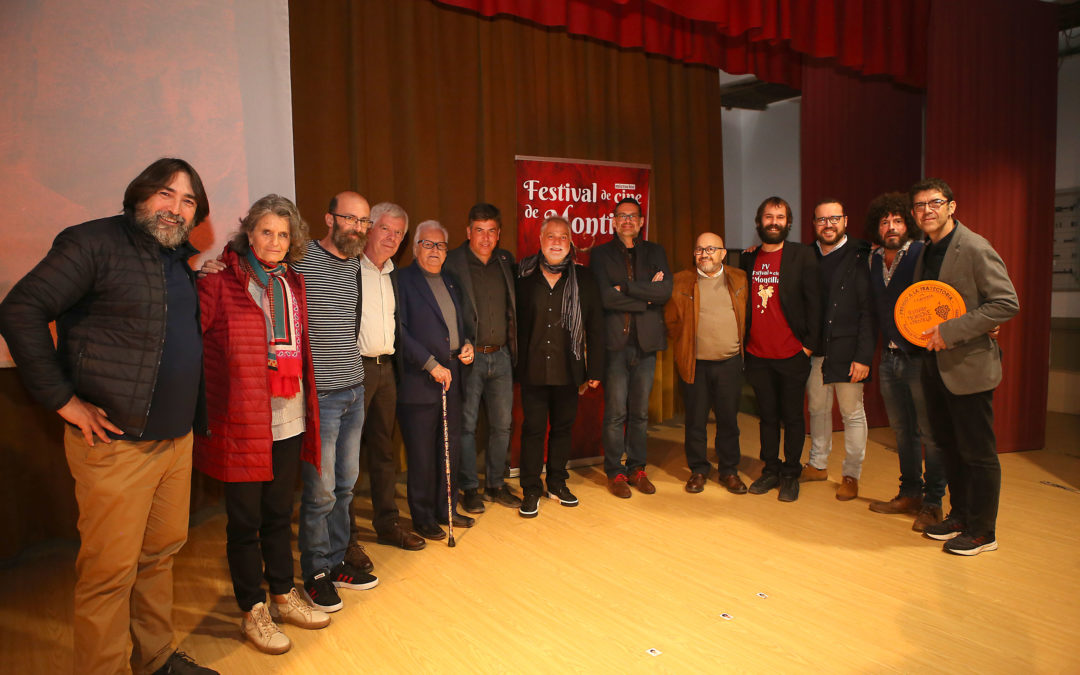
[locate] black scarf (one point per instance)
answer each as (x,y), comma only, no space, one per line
(571,303)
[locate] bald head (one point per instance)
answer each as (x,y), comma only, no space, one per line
(709,253)
(348,220)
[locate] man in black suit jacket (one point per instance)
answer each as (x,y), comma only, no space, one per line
(561,343)
(783,328)
(485,274)
(432,343)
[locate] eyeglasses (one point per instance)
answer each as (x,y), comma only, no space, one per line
(623,217)
(933,205)
(707,250)
(833,220)
(353,220)
(428,244)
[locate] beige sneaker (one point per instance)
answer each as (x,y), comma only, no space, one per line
(810,474)
(258,627)
(297,612)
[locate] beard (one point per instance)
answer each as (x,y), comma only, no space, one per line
(350,244)
(894,244)
(708,266)
(773,237)
(169,230)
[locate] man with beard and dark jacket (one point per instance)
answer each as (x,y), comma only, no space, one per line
(635,283)
(847,348)
(126,376)
(783,329)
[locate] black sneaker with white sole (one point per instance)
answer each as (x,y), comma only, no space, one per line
(347,576)
(320,592)
(563,495)
(966,544)
(945,530)
(530,505)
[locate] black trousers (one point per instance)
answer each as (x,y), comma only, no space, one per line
(377,445)
(717,386)
(259,528)
(422,431)
(541,405)
(963,428)
(779,386)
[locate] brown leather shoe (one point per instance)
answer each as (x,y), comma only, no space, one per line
(810,474)
(733,483)
(641,481)
(619,486)
(928,515)
(848,489)
(897,504)
(696,483)
(401,538)
(358,558)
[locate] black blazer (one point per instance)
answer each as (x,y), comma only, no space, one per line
(847,333)
(642,298)
(457,264)
(800,292)
(422,333)
(592,318)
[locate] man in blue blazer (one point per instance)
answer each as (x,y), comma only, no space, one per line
(964,367)
(432,350)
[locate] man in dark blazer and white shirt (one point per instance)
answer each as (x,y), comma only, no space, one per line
(433,347)
(783,328)
(485,273)
(963,367)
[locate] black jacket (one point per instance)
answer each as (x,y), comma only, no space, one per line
(104,285)
(847,333)
(800,292)
(642,299)
(591,367)
(457,264)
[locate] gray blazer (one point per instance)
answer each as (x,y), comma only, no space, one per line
(972,362)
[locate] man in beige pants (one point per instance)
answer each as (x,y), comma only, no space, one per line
(126,376)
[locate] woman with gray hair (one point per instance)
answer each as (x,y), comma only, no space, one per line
(263,411)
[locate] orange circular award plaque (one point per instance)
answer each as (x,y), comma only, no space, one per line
(924,305)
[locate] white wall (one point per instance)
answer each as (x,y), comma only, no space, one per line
(1067,174)
(761,159)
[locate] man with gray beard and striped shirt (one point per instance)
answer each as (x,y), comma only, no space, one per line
(330,268)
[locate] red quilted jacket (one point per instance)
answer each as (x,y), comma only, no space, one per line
(238,448)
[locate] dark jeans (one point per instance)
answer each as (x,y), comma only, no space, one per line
(490,378)
(541,404)
(717,385)
(963,427)
(259,529)
(779,385)
(628,381)
(900,378)
(377,445)
(422,431)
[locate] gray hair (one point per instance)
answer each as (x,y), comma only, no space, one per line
(430,225)
(388,209)
(278,206)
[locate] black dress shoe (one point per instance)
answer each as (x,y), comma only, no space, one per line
(431,531)
(473,502)
(401,538)
(460,520)
(764,483)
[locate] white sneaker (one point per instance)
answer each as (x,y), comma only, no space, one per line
(298,613)
(263,632)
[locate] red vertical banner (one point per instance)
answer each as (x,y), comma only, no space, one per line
(585,193)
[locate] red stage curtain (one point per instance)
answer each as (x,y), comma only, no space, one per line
(991,102)
(766,37)
(859,137)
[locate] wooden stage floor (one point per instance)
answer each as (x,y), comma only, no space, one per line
(817,585)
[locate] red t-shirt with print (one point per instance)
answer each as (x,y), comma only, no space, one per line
(770,335)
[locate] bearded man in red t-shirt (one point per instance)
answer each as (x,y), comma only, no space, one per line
(783,327)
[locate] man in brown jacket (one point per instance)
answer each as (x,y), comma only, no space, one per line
(705,319)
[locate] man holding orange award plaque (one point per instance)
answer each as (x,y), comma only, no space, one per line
(964,283)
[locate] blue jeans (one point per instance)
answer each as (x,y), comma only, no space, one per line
(627,385)
(902,391)
(490,377)
(324,505)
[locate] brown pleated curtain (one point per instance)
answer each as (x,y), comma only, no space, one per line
(426,106)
